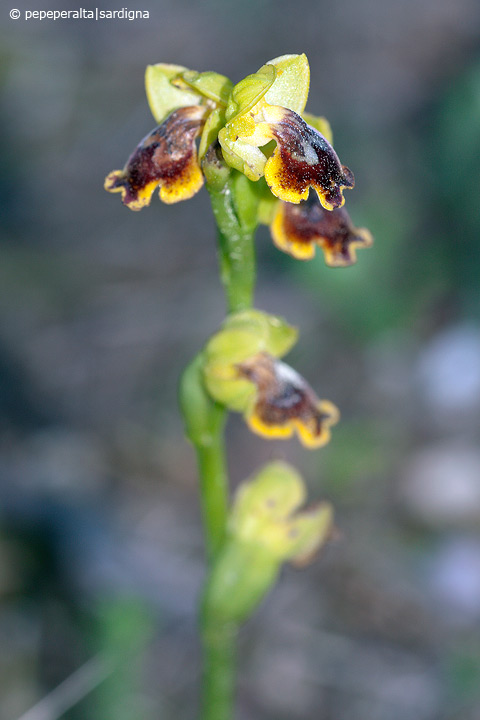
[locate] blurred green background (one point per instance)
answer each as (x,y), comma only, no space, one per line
(101,555)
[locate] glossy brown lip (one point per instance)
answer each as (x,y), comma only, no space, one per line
(303,159)
(296,229)
(285,402)
(167,157)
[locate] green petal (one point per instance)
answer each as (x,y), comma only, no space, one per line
(290,89)
(210,84)
(250,90)
(215,121)
(162,96)
(241,156)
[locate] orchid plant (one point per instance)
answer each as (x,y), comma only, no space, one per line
(263,160)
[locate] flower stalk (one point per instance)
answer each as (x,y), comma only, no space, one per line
(235,210)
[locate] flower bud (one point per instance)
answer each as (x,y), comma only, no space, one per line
(264,530)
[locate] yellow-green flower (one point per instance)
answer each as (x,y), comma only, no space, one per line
(267,106)
(257,122)
(242,371)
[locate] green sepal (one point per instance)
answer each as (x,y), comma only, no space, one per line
(264,513)
(275,492)
(210,84)
(277,335)
(162,96)
(290,89)
(223,353)
(243,335)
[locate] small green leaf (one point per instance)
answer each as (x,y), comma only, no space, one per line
(201,415)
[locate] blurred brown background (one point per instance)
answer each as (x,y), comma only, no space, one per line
(101,556)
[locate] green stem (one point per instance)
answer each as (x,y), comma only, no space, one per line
(235,210)
(218,682)
(204,425)
(236,247)
(214,487)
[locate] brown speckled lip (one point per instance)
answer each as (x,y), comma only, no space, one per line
(308,222)
(282,394)
(304,158)
(166,156)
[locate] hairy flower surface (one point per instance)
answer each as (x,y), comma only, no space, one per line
(257,122)
(243,372)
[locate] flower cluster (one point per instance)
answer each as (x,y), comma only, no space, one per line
(263,160)
(261,130)
(256,139)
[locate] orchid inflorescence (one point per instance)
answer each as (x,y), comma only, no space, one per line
(263,132)
(263,160)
